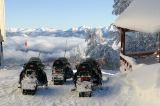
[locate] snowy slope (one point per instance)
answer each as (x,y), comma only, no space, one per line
(58,95)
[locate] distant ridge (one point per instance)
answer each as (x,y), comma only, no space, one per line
(44,31)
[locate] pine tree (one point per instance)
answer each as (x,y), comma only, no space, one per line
(120,5)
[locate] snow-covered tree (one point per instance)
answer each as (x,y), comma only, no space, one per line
(120,5)
(100,48)
(93,38)
(110,56)
(76,55)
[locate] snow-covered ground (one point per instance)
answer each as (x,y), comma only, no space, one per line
(145,81)
(55,95)
(140,87)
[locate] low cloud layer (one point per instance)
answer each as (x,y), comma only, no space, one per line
(18,49)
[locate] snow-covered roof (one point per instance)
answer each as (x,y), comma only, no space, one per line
(141,15)
(2,21)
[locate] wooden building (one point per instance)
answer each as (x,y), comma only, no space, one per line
(141,16)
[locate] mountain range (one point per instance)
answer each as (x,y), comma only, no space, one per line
(75,32)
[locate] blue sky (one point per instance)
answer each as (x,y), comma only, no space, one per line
(59,14)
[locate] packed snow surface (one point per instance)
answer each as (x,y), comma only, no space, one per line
(55,95)
(137,88)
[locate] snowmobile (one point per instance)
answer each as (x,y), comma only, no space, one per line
(32,76)
(29,82)
(87,77)
(84,84)
(61,71)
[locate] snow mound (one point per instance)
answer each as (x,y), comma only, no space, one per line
(144,80)
(146,76)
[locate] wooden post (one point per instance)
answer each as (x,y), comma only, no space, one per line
(122,38)
(158,52)
(1,53)
(1,48)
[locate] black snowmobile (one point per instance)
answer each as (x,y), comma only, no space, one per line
(61,71)
(32,76)
(87,77)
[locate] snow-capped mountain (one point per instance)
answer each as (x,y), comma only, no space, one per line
(74,32)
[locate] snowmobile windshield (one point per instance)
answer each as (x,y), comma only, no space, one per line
(35,59)
(58,64)
(63,59)
(31,66)
(83,67)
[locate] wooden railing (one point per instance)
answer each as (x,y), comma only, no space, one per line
(126,65)
(140,53)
